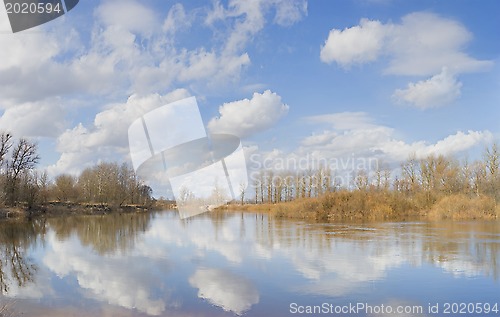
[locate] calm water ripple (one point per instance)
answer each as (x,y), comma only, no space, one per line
(229,264)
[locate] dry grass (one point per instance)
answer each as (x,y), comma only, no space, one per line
(342,205)
(359,205)
(459,207)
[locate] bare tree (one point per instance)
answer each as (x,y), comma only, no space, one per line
(24,157)
(65,188)
(5,145)
(410,174)
(243,188)
(492,163)
(43,183)
(362,180)
(29,189)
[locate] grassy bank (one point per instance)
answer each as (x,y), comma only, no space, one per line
(359,205)
(54,209)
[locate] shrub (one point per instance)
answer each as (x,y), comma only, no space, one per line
(460,206)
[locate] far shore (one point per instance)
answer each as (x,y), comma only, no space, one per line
(342,206)
(331,207)
(55,209)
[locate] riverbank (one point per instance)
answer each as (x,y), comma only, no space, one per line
(54,209)
(346,205)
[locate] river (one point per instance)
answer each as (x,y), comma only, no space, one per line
(227,264)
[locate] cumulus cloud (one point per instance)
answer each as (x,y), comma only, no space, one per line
(106,137)
(334,143)
(24,75)
(356,134)
(452,144)
(248,116)
(421,44)
(382,142)
(355,45)
(424,43)
(122,53)
(119,55)
(30,119)
(439,90)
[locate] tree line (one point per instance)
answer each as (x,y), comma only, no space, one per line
(426,179)
(436,176)
(105,183)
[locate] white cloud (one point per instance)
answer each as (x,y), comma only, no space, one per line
(382,142)
(344,120)
(27,64)
(247,18)
(17,49)
(176,19)
(110,126)
(4,21)
(361,140)
(119,55)
(209,64)
(242,30)
(129,15)
(452,144)
(249,116)
(122,54)
(30,119)
(106,138)
(439,90)
(355,45)
(289,12)
(225,289)
(422,44)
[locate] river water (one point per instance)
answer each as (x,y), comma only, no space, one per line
(229,264)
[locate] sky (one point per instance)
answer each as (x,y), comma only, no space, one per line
(379,79)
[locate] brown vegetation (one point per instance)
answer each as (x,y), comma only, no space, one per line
(103,188)
(437,187)
(462,207)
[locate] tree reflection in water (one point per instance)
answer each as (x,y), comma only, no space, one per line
(104,234)
(15,240)
(149,262)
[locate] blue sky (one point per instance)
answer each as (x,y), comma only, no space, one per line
(364,78)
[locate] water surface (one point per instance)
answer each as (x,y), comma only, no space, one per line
(229,264)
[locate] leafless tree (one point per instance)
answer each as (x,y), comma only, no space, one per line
(65,188)
(5,145)
(243,188)
(24,157)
